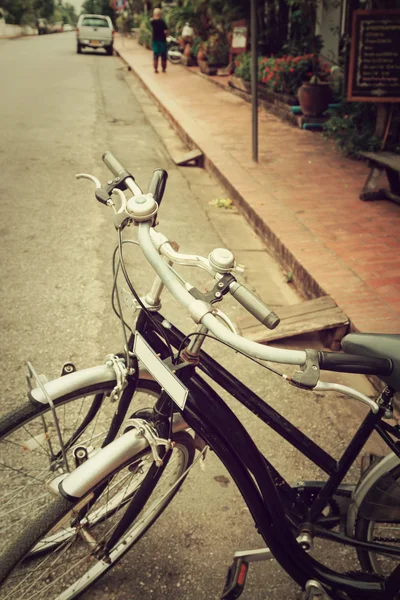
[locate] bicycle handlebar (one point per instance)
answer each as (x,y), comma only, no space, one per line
(201,312)
(152,243)
(353,363)
(254,305)
(114,165)
(240,292)
(157,185)
(120,172)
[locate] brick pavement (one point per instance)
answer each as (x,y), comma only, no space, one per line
(302,196)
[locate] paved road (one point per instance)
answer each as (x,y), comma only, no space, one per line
(58,113)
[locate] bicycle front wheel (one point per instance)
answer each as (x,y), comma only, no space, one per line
(30,449)
(60,554)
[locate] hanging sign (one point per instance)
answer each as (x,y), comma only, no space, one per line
(239,37)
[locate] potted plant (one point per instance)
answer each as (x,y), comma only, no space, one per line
(201,52)
(316,94)
(213,53)
(218,49)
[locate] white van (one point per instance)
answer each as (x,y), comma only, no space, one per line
(94,31)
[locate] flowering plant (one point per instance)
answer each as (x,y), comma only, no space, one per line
(287,73)
(284,74)
(243,66)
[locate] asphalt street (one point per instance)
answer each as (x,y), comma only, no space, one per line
(59,112)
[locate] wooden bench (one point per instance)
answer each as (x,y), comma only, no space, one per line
(318,315)
(186,158)
(380,161)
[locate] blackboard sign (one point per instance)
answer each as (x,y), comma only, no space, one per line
(374,73)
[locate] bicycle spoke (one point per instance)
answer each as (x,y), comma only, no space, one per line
(77,419)
(34,438)
(28,503)
(35,570)
(23,448)
(15,469)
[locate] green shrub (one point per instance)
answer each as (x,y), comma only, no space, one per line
(217,49)
(177,16)
(124,22)
(196,45)
(145,33)
(351,126)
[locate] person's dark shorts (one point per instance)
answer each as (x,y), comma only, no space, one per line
(159,48)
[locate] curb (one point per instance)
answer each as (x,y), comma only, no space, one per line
(17,37)
(305,283)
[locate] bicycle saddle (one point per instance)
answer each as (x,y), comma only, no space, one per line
(380,345)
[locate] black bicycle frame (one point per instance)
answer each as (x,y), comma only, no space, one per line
(265,492)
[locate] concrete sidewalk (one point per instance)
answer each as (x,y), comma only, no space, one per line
(301,198)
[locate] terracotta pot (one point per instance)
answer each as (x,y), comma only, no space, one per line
(314,98)
(201,55)
(187,51)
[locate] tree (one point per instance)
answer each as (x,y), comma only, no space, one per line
(220,13)
(15,9)
(69,15)
(207,16)
(25,12)
(44,8)
(98,7)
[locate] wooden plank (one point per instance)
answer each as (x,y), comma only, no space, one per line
(316,315)
(284,329)
(387,159)
(180,154)
(331,338)
(187,157)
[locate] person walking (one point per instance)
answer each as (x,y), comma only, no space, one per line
(159,40)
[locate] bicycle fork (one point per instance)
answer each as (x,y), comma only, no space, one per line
(96,469)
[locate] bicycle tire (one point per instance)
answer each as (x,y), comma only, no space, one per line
(28,438)
(20,559)
(381,502)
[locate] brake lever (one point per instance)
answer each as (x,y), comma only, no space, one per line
(104,192)
(122,198)
(221,315)
(90,177)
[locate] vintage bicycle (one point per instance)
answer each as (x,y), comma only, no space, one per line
(95,483)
